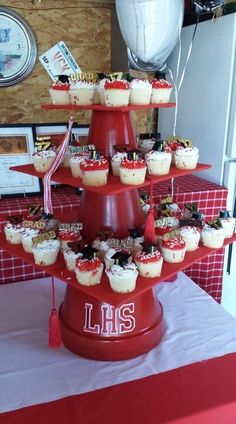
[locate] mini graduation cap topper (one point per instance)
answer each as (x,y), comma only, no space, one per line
(47,215)
(105,233)
(196,215)
(224,214)
(159,146)
(15,219)
(121,258)
(153,136)
(135,232)
(149,247)
(133,155)
(89,252)
(63,78)
(94,155)
(192,207)
(215,223)
(76,246)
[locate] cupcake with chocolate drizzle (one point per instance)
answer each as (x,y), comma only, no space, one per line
(94,170)
(149,261)
(88,268)
(133,169)
(158,159)
(122,274)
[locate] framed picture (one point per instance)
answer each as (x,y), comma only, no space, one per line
(16,148)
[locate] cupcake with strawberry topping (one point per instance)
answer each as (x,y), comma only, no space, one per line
(149,261)
(173,247)
(158,159)
(94,170)
(140,92)
(116,92)
(122,274)
(161,90)
(132,169)
(88,268)
(59,91)
(69,233)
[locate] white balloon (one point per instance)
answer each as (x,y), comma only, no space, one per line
(150,28)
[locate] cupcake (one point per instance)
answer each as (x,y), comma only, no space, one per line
(43,160)
(191,236)
(132,169)
(71,254)
(26,238)
(13,229)
(46,251)
(164,225)
(228,223)
(171,144)
(75,162)
(149,261)
(140,92)
(50,223)
(122,275)
(101,89)
(94,170)
(116,161)
(186,157)
(173,248)
(134,241)
(213,234)
(59,91)
(146,141)
(71,234)
(116,93)
(158,160)
(161,90)
(88,268)
(81,92)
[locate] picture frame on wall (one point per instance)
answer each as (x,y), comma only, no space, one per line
(16,148)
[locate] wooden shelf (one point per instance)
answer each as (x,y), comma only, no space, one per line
(113,186)
(103,108)
(102,291)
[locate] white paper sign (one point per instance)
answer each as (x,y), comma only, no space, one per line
(59,61)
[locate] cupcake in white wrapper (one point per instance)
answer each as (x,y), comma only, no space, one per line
(228,223)
(59,91)
(191,236)
(116,161)
(82,93)
(13,232)
(158,160)
(161,91)
(69,236)
(122,275)
(140,92)
(88,271)
(26,238)
(132,170)
(46,252)
(94,170)
(43,160)
(75,162)
(212,237)
(173,249)
(186,157)
(70,257)
(149,261)
(116,93)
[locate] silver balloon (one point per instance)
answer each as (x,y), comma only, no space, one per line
(150,29)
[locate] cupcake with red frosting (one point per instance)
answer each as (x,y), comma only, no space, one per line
(132,169)
(116,92)
(94,170)
(149,261)
(59,91)
(88,268)
(69,235)
(173,248)
(161,90)
(164,225)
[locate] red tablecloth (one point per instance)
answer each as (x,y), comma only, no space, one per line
(209,197)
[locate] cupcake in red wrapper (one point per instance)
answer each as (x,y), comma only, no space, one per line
(94,170)
(116,93)
(161,90)
(88,268)
(149,261)
(59,91)
(132,169)
(173,248)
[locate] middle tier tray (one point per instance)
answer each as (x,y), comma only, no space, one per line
(113,186)
(102,291)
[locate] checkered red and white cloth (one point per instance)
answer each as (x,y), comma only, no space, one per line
(209,197)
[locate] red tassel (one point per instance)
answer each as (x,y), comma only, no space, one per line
(54,337)
(149,230)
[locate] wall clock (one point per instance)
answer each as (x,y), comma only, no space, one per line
(18,48)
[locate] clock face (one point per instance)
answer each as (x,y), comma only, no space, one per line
(17,48)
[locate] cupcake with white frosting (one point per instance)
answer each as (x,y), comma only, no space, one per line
(43,160)
(116,161)
(82,92)
(186,157)
(122,275)
(149,261)
(228,223)
(140,92)
(213,234)
(14,229)
(158,160)
(191,236)
(26,238)
(46,252)
(75,162)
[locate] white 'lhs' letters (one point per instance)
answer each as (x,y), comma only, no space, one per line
(113,320)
